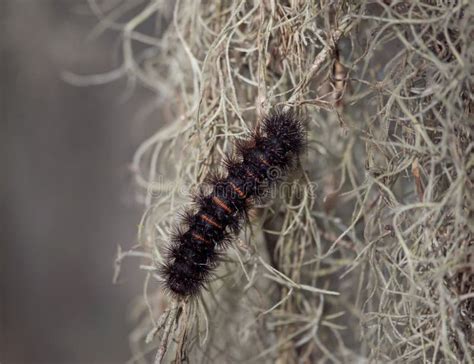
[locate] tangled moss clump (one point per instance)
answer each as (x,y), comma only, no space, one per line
(369,254)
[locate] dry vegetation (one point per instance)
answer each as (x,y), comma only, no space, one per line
(368,254)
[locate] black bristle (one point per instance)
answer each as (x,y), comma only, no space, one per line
(259,163)
(284,129)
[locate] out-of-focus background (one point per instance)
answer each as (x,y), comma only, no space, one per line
(67,197)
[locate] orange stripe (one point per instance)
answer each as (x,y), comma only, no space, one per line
(264,161)
(210,221)
(237,189)
(248,173)
(199,237)
(221,204)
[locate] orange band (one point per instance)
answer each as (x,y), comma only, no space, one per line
(237,189)
(221,204)
(199,237)
(248,173)
(210,221)
(264,161)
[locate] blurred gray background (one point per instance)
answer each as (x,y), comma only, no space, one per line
(67,196)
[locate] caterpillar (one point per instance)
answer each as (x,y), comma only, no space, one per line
(256,166)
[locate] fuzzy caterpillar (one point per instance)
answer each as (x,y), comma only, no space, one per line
(257,164)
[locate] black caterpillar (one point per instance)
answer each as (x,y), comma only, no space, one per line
(257,165)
